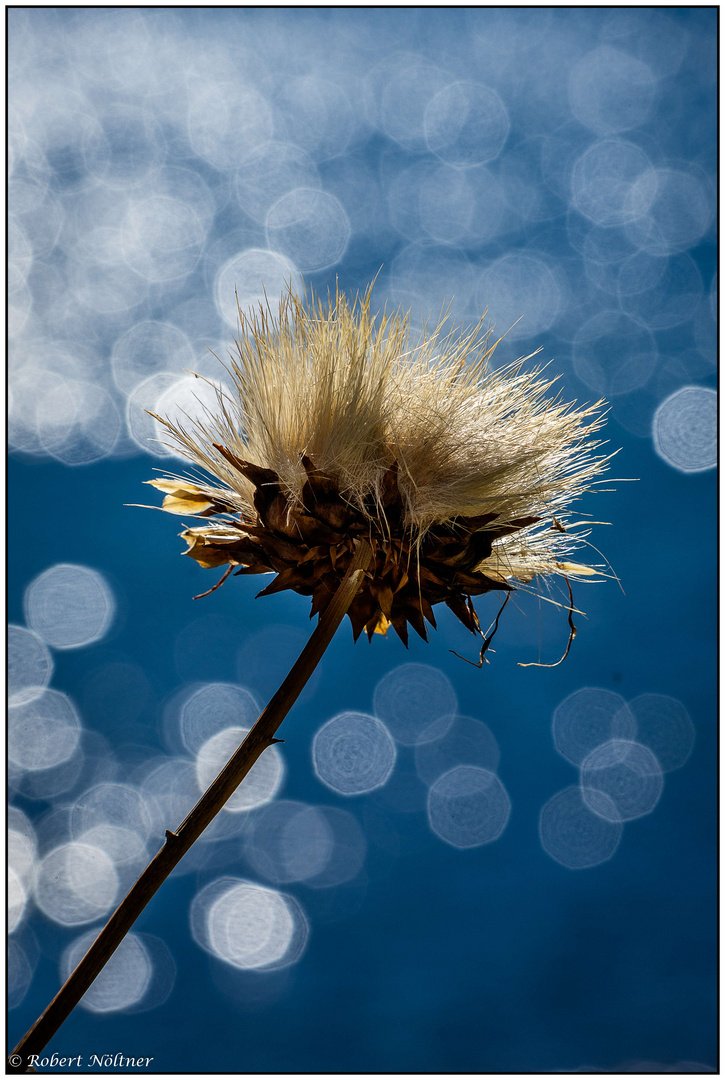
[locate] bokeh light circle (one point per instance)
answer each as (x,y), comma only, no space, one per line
(106,288)
(143,428)
(611,91)
(413,697)
(573,835)
(468,807)
(79,423)
(261,782)
(664,727)
(17,900)
(405,85)
(43,732)
(661,292)
(256,277)
(678,213)
(19,973)
(273,172)
(589,717)
(310,227)
(162,238)
(124,846)
(213,708)
(149,348)
(613,182)
(627,774)
(521,294)
(188,400)
(30,665)
(353,753)
(289,841)
(170,789)
(69,606)
(447,201)
(76,884)
(684,429)
(121,983)
(21,848)
(248,926)
(117,805)
(466,123)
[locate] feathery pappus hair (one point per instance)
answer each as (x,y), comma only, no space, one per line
(341,424)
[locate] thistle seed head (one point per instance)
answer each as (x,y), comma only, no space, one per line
(340,424)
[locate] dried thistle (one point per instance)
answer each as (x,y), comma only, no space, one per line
(378,476)
(341,426)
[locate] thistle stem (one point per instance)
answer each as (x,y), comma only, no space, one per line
(178,843)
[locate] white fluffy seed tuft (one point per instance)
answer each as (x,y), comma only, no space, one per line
(356,392)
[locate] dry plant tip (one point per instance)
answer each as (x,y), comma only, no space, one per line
(341,425)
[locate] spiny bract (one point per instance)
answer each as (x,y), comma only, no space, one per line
(340,425)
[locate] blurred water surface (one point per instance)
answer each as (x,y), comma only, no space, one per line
(442,869)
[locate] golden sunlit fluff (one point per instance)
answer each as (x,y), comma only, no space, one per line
(340,424)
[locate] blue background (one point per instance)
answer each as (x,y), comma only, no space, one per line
(432,959)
